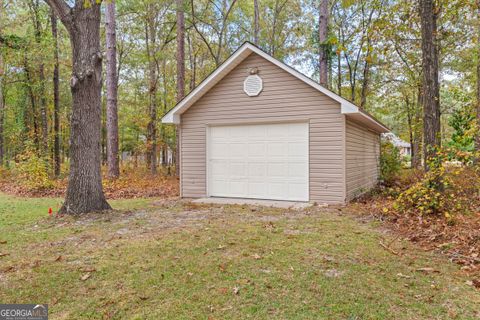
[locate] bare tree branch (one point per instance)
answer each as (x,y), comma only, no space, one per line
(63,11)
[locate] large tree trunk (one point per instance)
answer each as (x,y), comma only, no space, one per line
(256,24)
(2,99)
(2,109)
(112,85)
(84,191)
(153,79)
(477,140)
(431,94)
(56,98)
(322,38)
(180,72)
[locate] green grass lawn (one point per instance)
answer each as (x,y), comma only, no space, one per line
(181,261)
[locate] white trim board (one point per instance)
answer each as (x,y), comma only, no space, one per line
(347,108)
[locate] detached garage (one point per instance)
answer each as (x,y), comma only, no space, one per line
(256,128)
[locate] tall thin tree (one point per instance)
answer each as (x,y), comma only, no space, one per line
(56,97)
(42,99)
(322,39)
(431,91)
(256,23)
(82,21)
(180,70)
(151,36)
(112,85)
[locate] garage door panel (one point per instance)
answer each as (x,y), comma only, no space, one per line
(277,189)
(237,169)
(219,150)
(219,168)
(257,170)
(277,149)
(258,189)
(237,188)
(295,130)
(277,169)
(256,150)
(264,161)
(238,149)
(218,132)
(257,132)
(297,190)
(218,186)
(276,131)
(297,149)
(297,170)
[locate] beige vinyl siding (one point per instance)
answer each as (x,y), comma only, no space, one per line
(284,98)
(362,159)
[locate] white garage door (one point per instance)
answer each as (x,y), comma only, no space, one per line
(267,161)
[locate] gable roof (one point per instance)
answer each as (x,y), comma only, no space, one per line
(347,107)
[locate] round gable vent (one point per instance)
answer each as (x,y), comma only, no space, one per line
(253,85)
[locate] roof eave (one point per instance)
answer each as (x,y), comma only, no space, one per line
(173,116)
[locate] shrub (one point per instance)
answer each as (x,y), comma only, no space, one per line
(390,162)
(33,171)
(445,189)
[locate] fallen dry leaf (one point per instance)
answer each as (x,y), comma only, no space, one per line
(3,241)
(223,290)
(476,283)
(428,270)
(256,256)
(86,276)
(88,269)
(236,290)
(59,258)
(4,254)
(8,269)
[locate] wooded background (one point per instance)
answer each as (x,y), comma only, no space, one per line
(372,50)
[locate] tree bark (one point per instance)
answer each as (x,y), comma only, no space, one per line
(152,92)
(180,73)
(33,102)
(477,138)
(417,133)
(84,191)
(56,97)
(256,24)
(112,85)
(431,93)
(339,69)
(2,99)
(42,99)
(2,109)
(322,38)
(193,63)
(366,74)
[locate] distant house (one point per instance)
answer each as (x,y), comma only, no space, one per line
(404,147)
(256,128)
